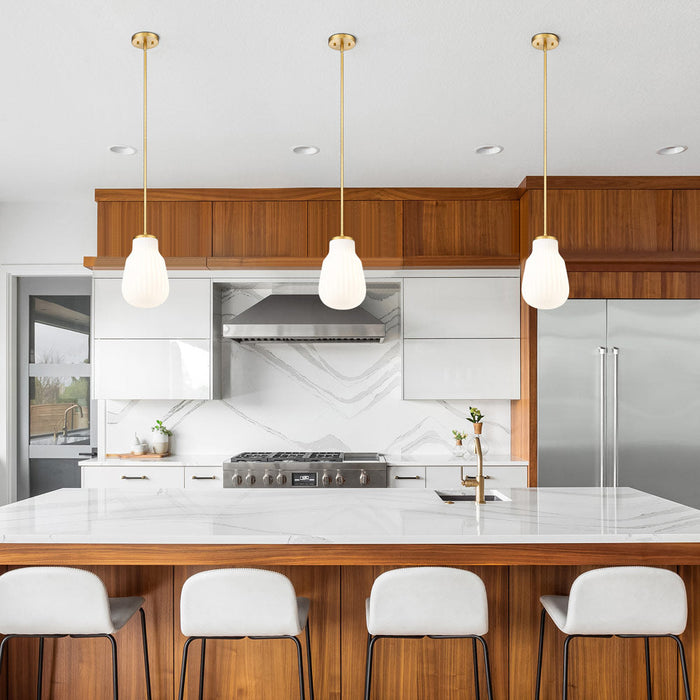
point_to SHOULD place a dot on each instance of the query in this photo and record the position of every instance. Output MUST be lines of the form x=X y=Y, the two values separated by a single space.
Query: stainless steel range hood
x=303 y=318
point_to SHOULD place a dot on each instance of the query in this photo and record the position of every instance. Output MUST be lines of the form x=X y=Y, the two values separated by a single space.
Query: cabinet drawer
x=132 y=476
x=152 y=369
x=204 y=477
x=186 y=313
x=406 y=477
x=499 y=477
x=478 y=307
x=487 y=368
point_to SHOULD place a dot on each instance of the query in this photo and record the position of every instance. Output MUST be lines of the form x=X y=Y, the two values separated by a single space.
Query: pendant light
x=545 y=282
x=342 y=281
x=145 y=280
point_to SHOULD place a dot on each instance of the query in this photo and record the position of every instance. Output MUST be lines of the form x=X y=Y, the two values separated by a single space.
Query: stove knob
x=326 y=479
x=236 y=479
x=339 y=478
x=364 y=478
x=267 y=479
x=281 y=479
x=249 y=479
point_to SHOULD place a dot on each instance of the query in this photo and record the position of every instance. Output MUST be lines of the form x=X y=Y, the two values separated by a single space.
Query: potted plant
x=475 y=417
x=459 y=436
x=161 y=440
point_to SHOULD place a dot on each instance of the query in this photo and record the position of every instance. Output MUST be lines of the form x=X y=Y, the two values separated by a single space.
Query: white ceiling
x=234 y=85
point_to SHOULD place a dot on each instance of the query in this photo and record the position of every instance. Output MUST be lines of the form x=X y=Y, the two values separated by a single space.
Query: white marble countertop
x=347 y=516
x=216 y=460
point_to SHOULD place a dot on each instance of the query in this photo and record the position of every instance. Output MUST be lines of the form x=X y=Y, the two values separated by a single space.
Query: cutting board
x=131 y=455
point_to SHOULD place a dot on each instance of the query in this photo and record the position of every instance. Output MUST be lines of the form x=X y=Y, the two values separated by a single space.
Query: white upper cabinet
x=453 y=307
x=186 y=313
x=461 y=338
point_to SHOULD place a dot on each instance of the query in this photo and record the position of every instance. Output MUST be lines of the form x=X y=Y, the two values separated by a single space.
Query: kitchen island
x=332 y=544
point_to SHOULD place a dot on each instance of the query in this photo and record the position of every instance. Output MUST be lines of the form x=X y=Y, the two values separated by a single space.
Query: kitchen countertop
x=216 y=460
x=348 y=516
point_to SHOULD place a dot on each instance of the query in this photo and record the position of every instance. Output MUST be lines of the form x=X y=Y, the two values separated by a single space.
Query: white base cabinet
x=405 y=477
x=129 y=476
x=448 y=477
x=204 y=478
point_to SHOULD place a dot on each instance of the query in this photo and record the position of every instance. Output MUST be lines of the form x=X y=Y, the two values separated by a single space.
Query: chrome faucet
x=478 y=480
x=65 y=418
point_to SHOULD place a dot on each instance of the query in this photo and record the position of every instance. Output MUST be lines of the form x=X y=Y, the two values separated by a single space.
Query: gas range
x=305 y=470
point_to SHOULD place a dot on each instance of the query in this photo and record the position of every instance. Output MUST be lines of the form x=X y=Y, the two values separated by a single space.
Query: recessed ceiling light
x=306 y=150
x=490 y=150
x=122 y=150
x=671 y=150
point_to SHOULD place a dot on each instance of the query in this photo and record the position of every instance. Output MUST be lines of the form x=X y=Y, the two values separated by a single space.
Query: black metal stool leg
x=40 y=671
x=368 y=675
x=489 y=690
x=115 y=682
x=183 y=670
x=684 y=668
x=202 y=654
x=477 y=690
x=648 y=665
x=300 y=664
x=565 y=683
x=145 y=654
x=308 y=661
x=539 y=655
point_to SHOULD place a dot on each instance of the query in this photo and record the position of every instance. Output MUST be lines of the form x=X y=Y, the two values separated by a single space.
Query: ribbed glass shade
x=545 y=282
x=145 y=281
x=342 y=281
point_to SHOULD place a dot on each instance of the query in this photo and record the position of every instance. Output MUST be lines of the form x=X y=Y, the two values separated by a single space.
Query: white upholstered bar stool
x=57 y=601
x=620 y=601
x=239 y=603
x=431 y=601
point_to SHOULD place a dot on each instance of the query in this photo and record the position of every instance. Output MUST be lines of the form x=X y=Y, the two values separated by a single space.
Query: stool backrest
x=428 y=600
x=53 y=600
x=238 y=603
x=627 y=600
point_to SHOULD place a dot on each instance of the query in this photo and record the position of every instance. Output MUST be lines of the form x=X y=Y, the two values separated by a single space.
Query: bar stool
x=239 y=603
x=432 y=601
x=620 y=601
x=57 y=601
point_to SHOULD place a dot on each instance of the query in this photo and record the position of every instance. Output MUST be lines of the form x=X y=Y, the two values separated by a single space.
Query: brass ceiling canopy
x=545 y=40
x=342 y=42
x=149 y=40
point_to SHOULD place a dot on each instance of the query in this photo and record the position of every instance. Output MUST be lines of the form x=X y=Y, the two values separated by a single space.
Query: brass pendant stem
x=544 y=142
x=145 y=140
x=342 y=141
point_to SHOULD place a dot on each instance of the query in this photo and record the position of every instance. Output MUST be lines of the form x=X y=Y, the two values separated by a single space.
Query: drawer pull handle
x=134 y=477
x=486 y=476
x=202 y=478
x=396 y=476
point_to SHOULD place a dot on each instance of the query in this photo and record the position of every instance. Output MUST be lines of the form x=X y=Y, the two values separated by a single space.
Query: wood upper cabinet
x=259 y=229
x=376 y=227
x=183 y=229
x=686 y=221
x=461 y=228
x=601 y=223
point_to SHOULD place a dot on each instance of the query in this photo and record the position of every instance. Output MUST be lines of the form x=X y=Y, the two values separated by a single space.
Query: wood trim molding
x=109 y=263
x=305 y=194
x=611 y=182
x=627 y=553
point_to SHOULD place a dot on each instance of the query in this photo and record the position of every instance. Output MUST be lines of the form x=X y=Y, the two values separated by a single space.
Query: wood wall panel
x=461 y=228
x=421 y=668
x=82 y=668
x=183 y=229
x=267 y=669
x=259 y=229
x=599 y=668
x=376 y=227
x=603 y=222
x=634 y=285
x=686 y=221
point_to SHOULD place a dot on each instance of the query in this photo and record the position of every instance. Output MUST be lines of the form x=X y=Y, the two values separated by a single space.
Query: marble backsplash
x=309 y=396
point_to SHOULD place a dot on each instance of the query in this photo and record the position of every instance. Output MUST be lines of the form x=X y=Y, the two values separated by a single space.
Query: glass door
x=56 y=430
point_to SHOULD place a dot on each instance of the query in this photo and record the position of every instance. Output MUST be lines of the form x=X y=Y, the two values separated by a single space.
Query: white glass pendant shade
x=145 y=281
x=545 y=282
x=342 y=282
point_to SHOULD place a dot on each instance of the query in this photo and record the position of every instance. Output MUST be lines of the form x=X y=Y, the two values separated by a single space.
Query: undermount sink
x=448 y=497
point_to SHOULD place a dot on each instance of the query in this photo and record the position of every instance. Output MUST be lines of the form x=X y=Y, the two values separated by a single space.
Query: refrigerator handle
x=616 y=355
x=601 y=437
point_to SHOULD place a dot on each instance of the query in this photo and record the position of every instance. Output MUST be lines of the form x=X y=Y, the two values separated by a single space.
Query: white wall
x=36 y=238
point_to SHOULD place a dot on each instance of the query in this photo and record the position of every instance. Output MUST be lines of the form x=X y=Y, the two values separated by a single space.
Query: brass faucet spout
x=478 y=481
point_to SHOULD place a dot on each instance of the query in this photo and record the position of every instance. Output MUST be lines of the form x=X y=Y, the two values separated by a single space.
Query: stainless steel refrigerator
x=619 y=396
